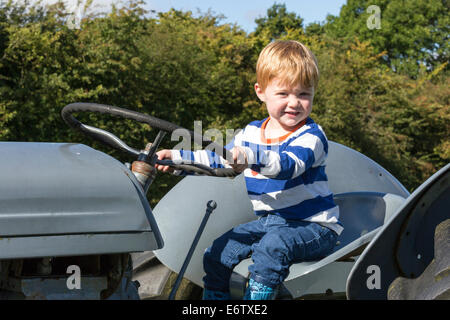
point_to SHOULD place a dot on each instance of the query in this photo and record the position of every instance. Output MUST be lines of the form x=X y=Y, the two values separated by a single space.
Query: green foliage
x=277 y=22
x=386 y=116
x=183 y=68
x=414 y=34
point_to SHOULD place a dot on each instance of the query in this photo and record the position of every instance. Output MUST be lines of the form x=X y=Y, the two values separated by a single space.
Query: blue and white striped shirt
x=286 y=176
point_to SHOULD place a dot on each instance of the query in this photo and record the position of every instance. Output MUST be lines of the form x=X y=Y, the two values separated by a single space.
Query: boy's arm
x=302 y=153
x=205 y=157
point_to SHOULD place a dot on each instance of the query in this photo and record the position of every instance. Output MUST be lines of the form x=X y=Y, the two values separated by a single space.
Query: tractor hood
x=63 y=188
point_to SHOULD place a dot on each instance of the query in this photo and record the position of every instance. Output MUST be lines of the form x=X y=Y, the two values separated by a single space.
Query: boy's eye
x=302 y=94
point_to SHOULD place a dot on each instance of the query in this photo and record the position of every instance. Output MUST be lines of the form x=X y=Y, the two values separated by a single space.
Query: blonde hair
x=290 y=61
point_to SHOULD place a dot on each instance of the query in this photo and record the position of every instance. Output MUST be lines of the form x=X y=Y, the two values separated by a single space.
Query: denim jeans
x=273 y=242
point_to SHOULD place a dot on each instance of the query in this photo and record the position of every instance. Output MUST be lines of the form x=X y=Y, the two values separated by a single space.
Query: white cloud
x=97 y=5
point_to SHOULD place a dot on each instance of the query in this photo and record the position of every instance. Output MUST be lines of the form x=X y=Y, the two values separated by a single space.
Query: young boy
x=283 y=159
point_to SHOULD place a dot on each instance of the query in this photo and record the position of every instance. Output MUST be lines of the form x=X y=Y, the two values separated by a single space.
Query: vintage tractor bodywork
x=74 y=220
x=68 y=204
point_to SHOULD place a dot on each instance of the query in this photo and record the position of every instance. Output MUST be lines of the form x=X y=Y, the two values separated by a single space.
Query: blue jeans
x=274 y=244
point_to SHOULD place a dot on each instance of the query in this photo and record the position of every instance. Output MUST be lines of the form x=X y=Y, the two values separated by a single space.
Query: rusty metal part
x=44 y=266
x=142 y=168
x=117 y=264
x=144 y=172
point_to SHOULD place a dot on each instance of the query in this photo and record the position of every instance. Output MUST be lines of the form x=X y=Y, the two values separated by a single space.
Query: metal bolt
x=212 y=204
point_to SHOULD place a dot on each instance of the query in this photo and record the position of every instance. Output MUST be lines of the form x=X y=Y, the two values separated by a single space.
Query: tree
x=175 y=67
x=277 y=22
x=401 y=123
x=183 y=68
x=414 y=34
x=314 y=28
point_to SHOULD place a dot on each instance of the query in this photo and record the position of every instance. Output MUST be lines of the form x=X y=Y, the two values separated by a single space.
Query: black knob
x=212 y=205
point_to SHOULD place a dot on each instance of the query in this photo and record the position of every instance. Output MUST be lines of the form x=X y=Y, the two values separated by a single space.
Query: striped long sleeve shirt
x=286 y=176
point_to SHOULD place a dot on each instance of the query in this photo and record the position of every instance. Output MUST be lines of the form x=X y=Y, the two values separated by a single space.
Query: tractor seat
x=362 y=214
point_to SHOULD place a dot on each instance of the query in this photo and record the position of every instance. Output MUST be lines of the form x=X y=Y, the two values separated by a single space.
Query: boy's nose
x=293 y=101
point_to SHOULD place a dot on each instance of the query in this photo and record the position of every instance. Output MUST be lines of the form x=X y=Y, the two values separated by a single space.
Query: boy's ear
x=260 y=92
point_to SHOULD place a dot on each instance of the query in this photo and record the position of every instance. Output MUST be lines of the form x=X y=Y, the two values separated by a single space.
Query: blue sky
x=244 y=12
x=241 y=12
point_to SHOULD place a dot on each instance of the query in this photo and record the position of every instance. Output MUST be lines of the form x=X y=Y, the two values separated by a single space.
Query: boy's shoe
x=215 y=295
x=258 y=291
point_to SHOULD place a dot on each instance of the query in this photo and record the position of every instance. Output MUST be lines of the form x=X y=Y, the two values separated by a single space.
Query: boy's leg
x=283 y=245
x=225 y=253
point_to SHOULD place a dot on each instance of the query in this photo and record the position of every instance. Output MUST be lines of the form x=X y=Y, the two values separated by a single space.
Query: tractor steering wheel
x=164 y=126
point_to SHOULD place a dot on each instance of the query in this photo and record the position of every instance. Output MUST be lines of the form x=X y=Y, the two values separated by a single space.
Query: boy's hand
x=240 y=162
x=162 y=155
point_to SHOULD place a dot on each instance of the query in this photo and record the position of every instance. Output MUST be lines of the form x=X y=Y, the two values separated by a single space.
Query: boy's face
x=287 y=106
